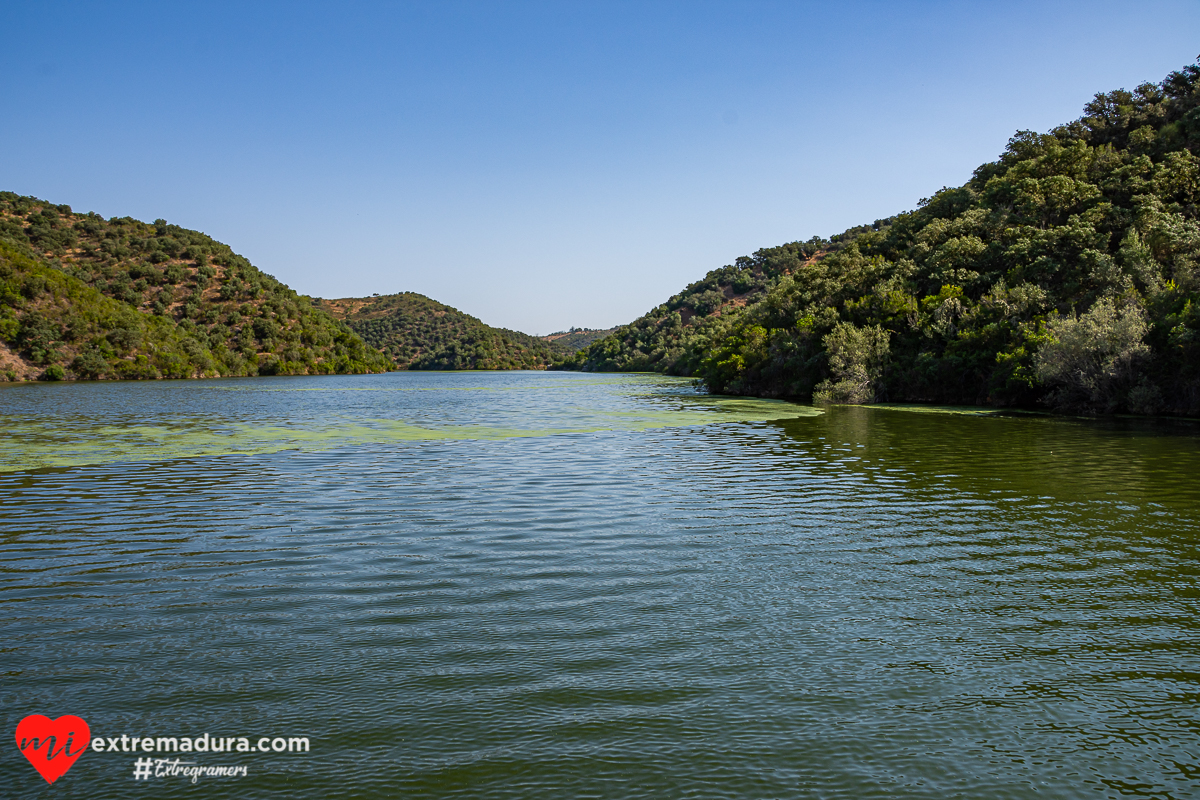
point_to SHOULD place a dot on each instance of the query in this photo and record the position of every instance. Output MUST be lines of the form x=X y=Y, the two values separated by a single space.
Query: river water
x=548 y=585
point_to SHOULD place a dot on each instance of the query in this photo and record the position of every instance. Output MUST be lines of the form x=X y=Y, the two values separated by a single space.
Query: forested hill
x=675 y=337
x=86 y=297
x=578 y=338
x=1065 y=273
x=415 y=332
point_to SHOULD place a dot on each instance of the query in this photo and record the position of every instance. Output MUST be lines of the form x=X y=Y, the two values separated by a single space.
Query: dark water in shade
x=571 y=586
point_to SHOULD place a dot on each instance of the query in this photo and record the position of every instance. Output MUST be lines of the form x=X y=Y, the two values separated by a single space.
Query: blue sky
x=540 y=165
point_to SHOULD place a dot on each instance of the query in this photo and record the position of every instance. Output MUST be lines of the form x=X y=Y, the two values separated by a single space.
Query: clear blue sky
x=541 y=165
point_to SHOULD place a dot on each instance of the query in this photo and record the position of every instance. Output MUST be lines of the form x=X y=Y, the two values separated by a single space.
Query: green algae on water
x=163 y=434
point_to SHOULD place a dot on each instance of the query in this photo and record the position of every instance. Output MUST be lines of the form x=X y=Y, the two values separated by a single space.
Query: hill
x=415 y=332
x=1065 y=274
x=86 y=297
x=674 y=337
x=578 y=338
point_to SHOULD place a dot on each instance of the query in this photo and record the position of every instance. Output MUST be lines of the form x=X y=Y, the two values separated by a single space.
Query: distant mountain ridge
x=415 y=332
x=578 y=338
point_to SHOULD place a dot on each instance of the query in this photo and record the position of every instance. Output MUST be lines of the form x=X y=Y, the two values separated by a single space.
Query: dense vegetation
x=1065 y=273
x=415 y=332
x=675 y=337
x=86 y=297
x=578 y=338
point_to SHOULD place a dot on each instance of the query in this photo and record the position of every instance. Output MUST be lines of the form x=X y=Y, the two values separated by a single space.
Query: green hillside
x=415 y=332
x=675 y=337
x=86 y=297
x=1066 y=273
x=577 y=338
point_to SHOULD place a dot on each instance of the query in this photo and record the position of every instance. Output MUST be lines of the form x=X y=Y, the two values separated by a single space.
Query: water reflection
x=865 y=603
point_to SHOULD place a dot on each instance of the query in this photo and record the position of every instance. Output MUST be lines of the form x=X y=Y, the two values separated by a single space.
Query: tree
x=857 y=359
x=1092 y=361
x=89 y=365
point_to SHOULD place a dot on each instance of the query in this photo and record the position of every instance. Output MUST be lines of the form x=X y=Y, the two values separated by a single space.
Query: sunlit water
x=541 y=585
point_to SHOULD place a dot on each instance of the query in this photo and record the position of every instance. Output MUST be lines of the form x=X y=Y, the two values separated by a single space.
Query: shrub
x=1145 y=398
x=89 y=365
x=9 y=324
x=36 y=334
x=708 y=302
x=124 y=339
x=1092 y=361
x=33 y=286
x=138 y=369
x=857 y=359
x=265 y=329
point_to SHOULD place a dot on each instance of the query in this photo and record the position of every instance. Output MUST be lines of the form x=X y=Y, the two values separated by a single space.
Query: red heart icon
x=52 y=745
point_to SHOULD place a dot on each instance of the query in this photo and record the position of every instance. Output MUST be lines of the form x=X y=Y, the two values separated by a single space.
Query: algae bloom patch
x=159 y=422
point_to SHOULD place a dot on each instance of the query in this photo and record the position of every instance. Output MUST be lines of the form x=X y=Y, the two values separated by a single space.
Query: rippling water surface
x=528 y=585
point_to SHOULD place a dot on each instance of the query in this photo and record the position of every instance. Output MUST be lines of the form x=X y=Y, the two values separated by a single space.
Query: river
x=558 y=585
